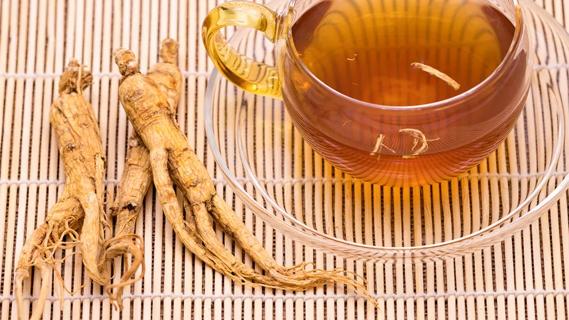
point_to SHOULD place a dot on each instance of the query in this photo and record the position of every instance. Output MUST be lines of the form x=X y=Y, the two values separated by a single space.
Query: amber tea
x=406 y=54
x=370 y=49
x=392 y=92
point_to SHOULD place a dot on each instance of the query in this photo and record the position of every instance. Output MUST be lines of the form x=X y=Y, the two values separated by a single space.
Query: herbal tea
x=390 y=91
x=370 y=49
x=402 y=55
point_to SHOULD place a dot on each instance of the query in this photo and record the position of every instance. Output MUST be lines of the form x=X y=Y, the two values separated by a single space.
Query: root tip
x=75 y=78
x=126 y=61
x=169 y=51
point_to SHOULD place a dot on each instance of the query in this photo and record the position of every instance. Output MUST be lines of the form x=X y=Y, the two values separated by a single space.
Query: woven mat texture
x=525 y=277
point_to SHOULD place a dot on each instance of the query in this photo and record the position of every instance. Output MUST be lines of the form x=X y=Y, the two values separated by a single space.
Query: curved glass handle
x=246 y=73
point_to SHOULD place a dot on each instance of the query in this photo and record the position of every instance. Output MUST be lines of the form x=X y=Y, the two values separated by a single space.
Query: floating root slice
x=438 y=74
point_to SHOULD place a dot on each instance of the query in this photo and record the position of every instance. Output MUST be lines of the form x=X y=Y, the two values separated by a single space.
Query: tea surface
x=366 y=48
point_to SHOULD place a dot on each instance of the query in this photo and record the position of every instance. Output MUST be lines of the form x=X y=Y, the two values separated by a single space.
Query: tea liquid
x=366 y=48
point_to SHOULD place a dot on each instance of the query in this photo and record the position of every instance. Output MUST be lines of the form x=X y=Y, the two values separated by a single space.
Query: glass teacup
x=391 y=93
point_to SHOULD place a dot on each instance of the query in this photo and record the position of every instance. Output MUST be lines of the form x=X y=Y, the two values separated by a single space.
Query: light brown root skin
x=134 y=185
x=137 y=179
x=46 y=279
x=173 y=162
x=134 y=246
x=74 y=122
x=82 y=153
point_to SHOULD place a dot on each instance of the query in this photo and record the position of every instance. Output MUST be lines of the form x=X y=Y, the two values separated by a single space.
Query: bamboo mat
x=527 y=276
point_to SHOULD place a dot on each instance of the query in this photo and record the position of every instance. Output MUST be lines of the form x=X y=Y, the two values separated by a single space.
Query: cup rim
x=449 y=102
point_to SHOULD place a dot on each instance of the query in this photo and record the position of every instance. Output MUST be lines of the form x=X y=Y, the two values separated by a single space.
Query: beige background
x=38 y=37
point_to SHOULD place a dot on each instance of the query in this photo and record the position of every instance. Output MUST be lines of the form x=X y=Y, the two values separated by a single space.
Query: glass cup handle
x=243 y=71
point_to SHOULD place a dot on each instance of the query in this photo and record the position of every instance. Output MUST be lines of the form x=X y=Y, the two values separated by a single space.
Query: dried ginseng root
x=138 y=174
x=174 y=162
x=137 y=179
x=78 y=214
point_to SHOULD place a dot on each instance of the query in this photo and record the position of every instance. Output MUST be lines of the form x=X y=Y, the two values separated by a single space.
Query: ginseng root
x=174 y=162
x=135 y=183
x=78 y=215
x=137 y=179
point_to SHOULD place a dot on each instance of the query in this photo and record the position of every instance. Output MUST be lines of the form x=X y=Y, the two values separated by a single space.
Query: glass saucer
x=285 y=183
